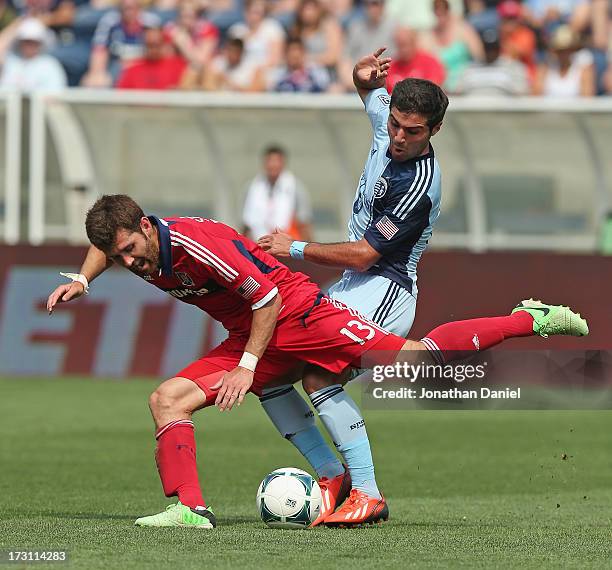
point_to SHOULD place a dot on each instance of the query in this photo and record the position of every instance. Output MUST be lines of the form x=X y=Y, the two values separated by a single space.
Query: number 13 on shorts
x=357 y=331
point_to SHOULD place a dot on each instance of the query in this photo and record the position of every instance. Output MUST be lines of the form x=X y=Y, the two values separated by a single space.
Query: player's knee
x=316 y=378
x=313 y=383
x=161 y=401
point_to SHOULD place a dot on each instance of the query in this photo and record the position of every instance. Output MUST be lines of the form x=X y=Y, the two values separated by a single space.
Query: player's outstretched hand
x=233 y=387
x=277 y=244
x=64 y=293
x=371 y=71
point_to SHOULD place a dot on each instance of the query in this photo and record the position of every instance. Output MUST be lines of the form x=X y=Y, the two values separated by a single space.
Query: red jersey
x=422 y=66
x=210 y=265
x=163 y=73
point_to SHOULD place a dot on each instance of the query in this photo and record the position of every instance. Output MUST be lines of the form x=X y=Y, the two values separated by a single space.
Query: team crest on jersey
x=184 y=278
x=380 y=188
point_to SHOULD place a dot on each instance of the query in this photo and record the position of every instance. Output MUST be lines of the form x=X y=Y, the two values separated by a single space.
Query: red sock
x=459 y=339
x=176 y=462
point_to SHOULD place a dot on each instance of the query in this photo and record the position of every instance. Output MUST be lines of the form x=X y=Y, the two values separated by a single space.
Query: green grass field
x=465 y=489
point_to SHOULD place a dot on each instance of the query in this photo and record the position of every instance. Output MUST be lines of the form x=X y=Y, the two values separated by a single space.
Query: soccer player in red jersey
x=276 y=319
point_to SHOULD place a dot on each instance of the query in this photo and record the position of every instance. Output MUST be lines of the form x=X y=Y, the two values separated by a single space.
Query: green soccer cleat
x=180 y=515
x=553 y=319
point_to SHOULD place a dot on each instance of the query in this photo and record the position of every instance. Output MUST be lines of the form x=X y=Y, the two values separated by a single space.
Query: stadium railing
x=517 y=173
x=10 y=165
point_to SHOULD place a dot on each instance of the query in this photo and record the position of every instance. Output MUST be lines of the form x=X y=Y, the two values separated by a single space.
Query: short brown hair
x=421 y=97
x=109 y=214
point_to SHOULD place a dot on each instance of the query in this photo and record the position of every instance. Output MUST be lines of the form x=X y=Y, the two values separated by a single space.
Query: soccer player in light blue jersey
x=396 y=205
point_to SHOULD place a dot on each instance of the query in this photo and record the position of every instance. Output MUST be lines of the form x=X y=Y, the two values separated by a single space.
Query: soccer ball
x=288 y=498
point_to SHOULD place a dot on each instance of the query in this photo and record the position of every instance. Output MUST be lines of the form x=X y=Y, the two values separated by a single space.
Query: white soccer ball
x=288 y=498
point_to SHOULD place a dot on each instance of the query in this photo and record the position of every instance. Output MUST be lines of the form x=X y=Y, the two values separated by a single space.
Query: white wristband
x=248 y=361
x=78 y=277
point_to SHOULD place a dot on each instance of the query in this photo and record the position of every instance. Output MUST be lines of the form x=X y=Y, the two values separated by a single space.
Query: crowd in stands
x=553 y=48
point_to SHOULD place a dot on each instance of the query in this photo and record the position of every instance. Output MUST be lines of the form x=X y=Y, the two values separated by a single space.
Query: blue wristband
x=297 y=249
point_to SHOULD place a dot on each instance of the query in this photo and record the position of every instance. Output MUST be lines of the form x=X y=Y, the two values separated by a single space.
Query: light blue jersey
x=395 y=207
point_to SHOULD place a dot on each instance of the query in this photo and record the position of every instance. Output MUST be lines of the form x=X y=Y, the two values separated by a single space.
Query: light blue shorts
x=377 y=298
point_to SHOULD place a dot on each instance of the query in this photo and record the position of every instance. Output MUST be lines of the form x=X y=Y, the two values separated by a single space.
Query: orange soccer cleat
x=333 y=492
x=359 y=509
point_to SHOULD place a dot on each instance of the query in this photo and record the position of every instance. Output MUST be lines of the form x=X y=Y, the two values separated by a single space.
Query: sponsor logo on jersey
x=184 y=278
x=182 y=293
x=386 y=227
x=357 y=425
x=380 y=188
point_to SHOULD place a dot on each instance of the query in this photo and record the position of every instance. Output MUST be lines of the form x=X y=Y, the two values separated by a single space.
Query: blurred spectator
x=229 y=71
x=453 y=41
x=276 y=199
x=417 y=14
x=263 y=37
x=223 y=13
x=497 y=75
x=341 y=10
x=155 y=69
x=482 y=15
x=601 y=11
x=191 y=35
x=365 y=35
x=517 y=40
x=547 y=15
x=298 y=76
x=28 y=67
x=284 y=11
x=601 y=40
x=409 y=61
x=7 y=14
x=568 y=70
x=70 y=47
x=118 y=40
x=321 y=35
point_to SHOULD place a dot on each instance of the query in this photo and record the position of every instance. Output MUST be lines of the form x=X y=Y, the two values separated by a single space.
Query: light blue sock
x=342 y=418
x=358 y=457
x=315 y=449
x=295 y=421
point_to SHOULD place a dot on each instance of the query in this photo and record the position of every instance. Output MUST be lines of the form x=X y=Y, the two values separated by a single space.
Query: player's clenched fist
x=64 y=293
x=278 y=244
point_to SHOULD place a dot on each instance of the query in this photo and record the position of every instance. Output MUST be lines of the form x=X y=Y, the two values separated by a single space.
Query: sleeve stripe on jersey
x=406 y=196
x=199 y=247
x=425 y=181
x=204 y=255
x=414 y=194
x=199 y=257
x=428 y=168
x=269 y=296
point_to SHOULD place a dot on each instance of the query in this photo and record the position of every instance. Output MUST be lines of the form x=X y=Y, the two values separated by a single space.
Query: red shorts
x=330 y=335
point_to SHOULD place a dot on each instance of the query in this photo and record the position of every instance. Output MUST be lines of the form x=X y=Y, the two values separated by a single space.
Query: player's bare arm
x=95 y=264
x=235 y=384
x=356 y=255
x=370 y=72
